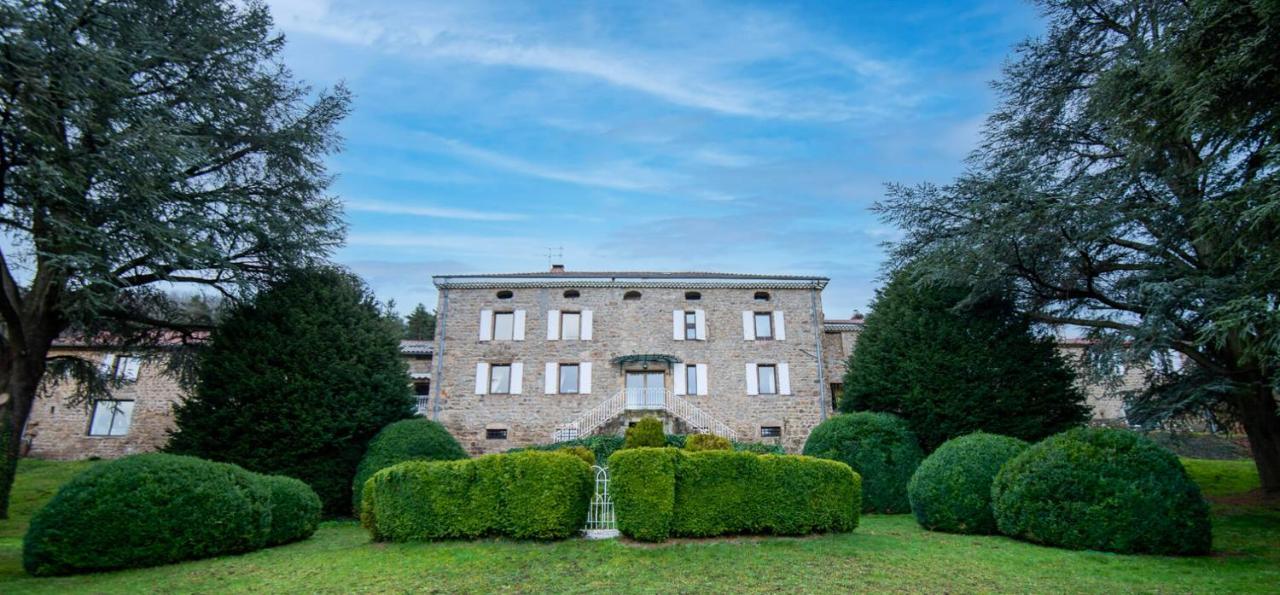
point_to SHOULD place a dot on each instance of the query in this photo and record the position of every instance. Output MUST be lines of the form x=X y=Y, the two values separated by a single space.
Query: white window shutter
x=549 y=385
x=553 y=325
x=482 y=378
x=702 y=379
x=784 y=379
x=486 y=326
x=779 y=326
x=748 y=326
x=701 y=318
x=677 y=325
x=517 y=332
x=753 y=381
x=129 y=368
x=680 y=380
x=585 y=332
x=584 y=378
x=517 y=377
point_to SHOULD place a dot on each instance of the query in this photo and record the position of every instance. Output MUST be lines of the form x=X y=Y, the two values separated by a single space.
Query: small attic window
x=692 y=295
x=571 y=293
x=762 y=296
x=504 y=294
x=631 y=295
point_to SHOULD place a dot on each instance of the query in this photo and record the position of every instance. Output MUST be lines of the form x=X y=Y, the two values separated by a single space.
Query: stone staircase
x=610 y=409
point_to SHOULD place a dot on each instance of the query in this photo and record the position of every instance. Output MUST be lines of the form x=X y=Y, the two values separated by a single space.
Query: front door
x=646 y=390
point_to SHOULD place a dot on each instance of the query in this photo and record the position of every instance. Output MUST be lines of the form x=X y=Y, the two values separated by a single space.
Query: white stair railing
x=591 y=420
x=701 y=421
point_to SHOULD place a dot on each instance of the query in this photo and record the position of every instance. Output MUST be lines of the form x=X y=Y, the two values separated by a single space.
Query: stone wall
x=624 y=327
x=1103 y=397
x=60 y=430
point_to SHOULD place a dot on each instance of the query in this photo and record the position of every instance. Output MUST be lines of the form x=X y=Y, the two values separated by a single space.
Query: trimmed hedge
x=525 y=495
x=646 y=432
x=581 y=452
x=879 y=447
x=295 y=509
x=417 y=439
x=660 y=492
x=698 y=442
x=1102 y=489
x=951 y=490
x=152 y=509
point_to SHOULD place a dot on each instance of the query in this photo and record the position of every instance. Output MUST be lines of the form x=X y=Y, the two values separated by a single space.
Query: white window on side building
x=111 y=418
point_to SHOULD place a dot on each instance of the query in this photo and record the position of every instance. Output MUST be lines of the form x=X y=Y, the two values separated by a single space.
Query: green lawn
x=885 y=553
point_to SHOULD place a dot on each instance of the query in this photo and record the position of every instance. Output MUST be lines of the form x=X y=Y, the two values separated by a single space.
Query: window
x=571 y=293
x=121 y=367
x=692 y=295
x=505 y=295
x=770 y=431
x=768 y=379
x=762 y=296
x=500 y=379
x=631 y=295
x=691 y=379
x=568 y=379
x=110 y=418
x=764 y=325
x=690 y=325
x=495 y=434
x=570 y=326
x=422 y=388
x=504 y=324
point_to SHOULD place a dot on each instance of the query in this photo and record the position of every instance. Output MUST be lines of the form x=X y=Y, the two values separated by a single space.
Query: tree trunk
x=1261 y=421
x=19 y=386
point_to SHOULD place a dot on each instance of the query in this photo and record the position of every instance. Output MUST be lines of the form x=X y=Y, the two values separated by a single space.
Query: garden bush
x=406 y=440
x=951 y=490
x=1102 y=489
x=698 y=442
x=605 y=445
x=879 y=447
x=646 y=433
x=524 y=495
x=152 y=509
x=642 y=483
x=295 y=509
x=581 y=452
x=663 y=492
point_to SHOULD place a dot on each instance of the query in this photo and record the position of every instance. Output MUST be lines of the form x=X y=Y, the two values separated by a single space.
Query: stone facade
x=625 y=327
x=1105 y=399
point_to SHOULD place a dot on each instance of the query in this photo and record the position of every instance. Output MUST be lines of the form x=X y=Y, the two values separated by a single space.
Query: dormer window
x=762 y=296
x=571 y=293
x=631 y=295
x=505 y=294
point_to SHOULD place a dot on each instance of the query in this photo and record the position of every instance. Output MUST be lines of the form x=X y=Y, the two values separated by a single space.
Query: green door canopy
x=645 y=358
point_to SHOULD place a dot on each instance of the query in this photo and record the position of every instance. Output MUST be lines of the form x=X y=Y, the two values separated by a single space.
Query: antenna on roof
x=555 y=255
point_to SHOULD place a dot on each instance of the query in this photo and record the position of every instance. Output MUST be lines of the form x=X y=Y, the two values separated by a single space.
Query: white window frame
x=577 y=379
x=565 y=318
x=498 y=335
x=492 y=369
x=755 y=325
x=115 y=410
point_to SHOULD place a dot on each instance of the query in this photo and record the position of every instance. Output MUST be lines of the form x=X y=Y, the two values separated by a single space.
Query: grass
x=886 y=553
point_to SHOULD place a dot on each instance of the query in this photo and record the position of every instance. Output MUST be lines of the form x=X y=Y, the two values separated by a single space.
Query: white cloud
x=419 y=210
x=621 y=175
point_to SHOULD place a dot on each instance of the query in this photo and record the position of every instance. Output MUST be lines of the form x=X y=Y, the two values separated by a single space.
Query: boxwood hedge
x=605 y=445
x=879 y=447
x=525 y=495
x=1102 y=489
x=697 y=442
x=951 y=489
x=417 y=439
x=151 y=509
x=659 y=492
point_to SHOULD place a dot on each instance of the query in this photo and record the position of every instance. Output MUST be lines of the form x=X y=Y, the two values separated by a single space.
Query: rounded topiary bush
x=146 y=510
x=879 y=447
x=408 y=440
x=698 y=442
x=295 y=509
x=1102 y=489
x=647 y=433
x=951 y=489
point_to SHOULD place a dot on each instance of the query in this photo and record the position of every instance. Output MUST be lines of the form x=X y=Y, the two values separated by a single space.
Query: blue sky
x=734 y=137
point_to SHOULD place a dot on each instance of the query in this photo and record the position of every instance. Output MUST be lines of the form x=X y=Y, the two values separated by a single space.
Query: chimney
x=557 y=269
x=857 y=316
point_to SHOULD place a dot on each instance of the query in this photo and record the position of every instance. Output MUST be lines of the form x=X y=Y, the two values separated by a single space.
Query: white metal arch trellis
x=601 y=522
